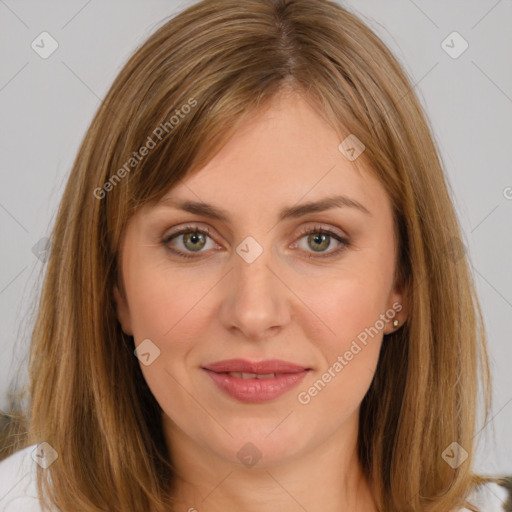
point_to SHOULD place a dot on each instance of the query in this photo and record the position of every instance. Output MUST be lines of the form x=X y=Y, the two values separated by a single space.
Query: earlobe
x=396 y=312
x=123 y=313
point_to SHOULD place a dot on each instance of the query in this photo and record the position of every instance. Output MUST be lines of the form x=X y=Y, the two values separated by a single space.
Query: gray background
x=47 y=105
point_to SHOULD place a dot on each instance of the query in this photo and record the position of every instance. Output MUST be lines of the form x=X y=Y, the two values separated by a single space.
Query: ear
x=397 y=309
x=123 y=312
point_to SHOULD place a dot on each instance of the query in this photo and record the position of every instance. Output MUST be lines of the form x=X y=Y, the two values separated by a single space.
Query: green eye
x=319 y=239
x=195 y=239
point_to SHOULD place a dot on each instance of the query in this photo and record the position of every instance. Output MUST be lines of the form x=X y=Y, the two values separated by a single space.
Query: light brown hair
x=227 y=59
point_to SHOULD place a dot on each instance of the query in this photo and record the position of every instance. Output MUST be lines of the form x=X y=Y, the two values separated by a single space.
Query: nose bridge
x=257 y=298
x=253 y=279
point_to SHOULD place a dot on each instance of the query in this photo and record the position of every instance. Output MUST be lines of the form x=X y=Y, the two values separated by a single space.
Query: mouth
x=243 y=375
x=255 y=382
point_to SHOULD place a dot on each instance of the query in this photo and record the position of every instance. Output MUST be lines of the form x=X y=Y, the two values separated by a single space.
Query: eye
x=320 y=239
x=193 y=239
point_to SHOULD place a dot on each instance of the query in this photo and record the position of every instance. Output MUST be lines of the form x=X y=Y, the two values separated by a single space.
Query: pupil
x=319 y=238
x=194 y=238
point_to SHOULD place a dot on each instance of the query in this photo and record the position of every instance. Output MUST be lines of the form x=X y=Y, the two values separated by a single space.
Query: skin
x=290 y=303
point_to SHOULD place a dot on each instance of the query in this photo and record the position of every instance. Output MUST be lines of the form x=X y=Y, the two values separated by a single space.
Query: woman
x=257 y=297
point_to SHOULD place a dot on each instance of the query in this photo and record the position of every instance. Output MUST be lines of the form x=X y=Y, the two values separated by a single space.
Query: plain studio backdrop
x=458 y=55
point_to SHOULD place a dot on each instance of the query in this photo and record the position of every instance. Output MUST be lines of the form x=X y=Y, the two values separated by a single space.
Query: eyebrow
x=290 y=212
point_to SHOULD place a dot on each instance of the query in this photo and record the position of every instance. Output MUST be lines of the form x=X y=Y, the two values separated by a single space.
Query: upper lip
x=259 y=368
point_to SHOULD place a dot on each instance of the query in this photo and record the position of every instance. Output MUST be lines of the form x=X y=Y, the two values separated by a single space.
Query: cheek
x=349 y=349
x=170 y=315
x=162 y=302
x=348 y=303
x=170 y=310
x=350 y=308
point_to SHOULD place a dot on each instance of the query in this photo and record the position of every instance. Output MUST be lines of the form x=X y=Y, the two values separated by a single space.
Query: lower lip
x=256 y=390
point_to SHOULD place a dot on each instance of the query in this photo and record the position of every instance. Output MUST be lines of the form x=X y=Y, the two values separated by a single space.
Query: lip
x=255 y=390
x=261 y=367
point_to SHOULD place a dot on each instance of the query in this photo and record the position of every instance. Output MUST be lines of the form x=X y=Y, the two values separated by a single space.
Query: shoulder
x=490 y=497
x=18 y=489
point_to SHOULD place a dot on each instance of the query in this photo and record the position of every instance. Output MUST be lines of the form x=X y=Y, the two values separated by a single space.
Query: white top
x=18 y=489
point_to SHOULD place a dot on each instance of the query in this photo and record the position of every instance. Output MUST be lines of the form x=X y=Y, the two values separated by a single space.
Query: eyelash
x=307 y=231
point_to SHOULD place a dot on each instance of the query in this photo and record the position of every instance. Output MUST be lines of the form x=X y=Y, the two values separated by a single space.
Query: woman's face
x=259 y=288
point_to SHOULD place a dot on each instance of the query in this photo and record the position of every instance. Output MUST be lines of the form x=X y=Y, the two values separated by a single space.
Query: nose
x=256 y=301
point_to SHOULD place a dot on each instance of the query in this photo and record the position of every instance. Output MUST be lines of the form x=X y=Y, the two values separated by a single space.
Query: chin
x=260 y=447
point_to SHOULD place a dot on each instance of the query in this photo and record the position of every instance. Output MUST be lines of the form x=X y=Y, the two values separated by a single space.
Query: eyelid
x=316 y=227
x=198 y=226
x=188 y=227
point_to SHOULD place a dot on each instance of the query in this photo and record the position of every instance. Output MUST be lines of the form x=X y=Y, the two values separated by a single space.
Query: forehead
x=284 y=156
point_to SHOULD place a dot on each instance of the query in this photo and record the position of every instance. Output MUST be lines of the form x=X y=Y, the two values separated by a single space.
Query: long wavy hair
x=182 y=95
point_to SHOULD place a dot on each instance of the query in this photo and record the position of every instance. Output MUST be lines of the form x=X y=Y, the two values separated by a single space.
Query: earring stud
x=395 y=323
